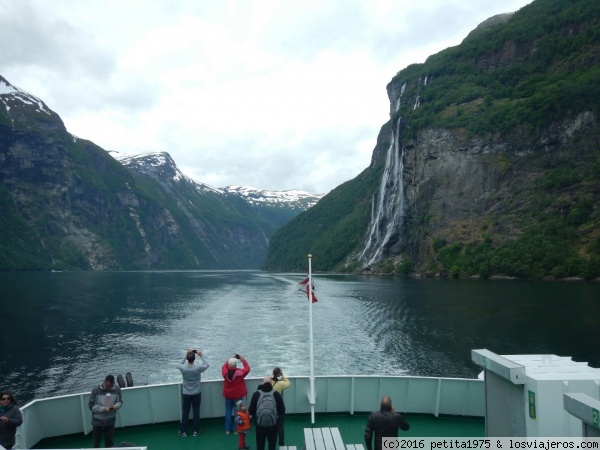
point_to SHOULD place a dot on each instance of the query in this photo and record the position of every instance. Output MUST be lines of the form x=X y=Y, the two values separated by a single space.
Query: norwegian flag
x=312 y=290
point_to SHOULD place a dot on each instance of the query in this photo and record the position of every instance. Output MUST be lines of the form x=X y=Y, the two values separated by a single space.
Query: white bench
x=285 y=447
x=355 y=447
x=323 y=439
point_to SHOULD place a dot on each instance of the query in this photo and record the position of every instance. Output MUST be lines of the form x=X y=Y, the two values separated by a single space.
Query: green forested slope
x=331 y=229
x=517 y=76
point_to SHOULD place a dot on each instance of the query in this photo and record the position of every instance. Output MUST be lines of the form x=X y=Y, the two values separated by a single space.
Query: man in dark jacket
x=104 y=402
x=266 y=433
x=384 y=423
x=10 y=419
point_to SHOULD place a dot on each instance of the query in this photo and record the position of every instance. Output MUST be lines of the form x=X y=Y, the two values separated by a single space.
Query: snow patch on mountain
x=253 y=195
x=163 y=163
x=10 y=92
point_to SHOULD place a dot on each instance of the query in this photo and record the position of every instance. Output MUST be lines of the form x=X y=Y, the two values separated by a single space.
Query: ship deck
x=164 y=436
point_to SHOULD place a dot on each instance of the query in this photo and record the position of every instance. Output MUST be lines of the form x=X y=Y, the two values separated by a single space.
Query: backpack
x=266 y=409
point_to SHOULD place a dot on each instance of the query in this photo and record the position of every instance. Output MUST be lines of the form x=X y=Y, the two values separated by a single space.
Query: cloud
x=305 y=161
x=275 y=95
x=36 y=40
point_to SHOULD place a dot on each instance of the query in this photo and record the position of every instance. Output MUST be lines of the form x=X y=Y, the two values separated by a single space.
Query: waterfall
x=399 y=97
x=387 y=206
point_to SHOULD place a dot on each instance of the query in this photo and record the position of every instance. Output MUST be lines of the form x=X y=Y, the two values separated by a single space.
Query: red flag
x=305 y=282
x=312 y=291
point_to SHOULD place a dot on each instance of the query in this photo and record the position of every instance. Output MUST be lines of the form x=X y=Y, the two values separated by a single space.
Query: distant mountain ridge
x=292 y=197
x=162 y=161
x=277 y=207
x=67 y=204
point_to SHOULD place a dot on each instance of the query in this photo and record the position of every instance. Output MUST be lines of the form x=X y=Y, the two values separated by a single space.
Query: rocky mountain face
x=277 y=207
x=67 y=204
x=489 y=165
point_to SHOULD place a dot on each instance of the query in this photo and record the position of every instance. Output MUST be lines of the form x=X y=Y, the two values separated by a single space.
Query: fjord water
x=63 y=332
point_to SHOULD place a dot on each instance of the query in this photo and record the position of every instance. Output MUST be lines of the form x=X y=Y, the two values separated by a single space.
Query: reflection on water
x=63 y=332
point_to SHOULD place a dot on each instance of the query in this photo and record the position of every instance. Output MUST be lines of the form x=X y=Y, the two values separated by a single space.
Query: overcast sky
x=273 y=94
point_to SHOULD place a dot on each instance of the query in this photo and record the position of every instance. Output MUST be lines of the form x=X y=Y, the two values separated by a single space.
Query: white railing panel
x=397 y=389
x=476 y=399
x=290 y=397
x=213 y=404
x=301 y=395
x=321 y=395
x=462 y=397
x=452 y=396
x=366 y=394
x=337 y=394
x=338 y=398
x=142 y=405
x=422 y=395
x=40 y=418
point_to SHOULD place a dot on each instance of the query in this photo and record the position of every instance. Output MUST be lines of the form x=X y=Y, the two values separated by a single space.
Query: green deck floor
x=213 y=437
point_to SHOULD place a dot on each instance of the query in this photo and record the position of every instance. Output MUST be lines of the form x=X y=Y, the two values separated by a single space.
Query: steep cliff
x=67 y=204
x=490 y=162
x=59 y=190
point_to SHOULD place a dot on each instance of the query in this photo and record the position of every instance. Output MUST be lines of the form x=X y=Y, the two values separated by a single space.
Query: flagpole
x=310 y=340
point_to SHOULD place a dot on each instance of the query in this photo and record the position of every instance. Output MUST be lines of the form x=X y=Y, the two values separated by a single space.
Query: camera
x=237 y=356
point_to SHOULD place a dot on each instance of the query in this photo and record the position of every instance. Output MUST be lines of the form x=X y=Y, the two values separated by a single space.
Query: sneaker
x=196 y=433
x=227 y=432
x=235 y=432
x=182 y=434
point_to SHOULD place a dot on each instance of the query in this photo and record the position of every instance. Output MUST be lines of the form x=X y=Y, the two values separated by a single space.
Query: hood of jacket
x=233 y=374
x=265 y=387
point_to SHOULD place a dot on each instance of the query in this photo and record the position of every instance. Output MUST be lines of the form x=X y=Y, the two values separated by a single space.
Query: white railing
x=334 y=394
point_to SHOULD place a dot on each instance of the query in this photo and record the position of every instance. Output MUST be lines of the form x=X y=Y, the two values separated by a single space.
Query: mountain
x=488 y=166
x=68 y=204
x=276 y=207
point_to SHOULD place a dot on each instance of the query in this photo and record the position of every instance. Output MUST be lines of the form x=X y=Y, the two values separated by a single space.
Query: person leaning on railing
x=280 y=382
x=191 y=389
x=384 y=423
x=234 y=386
x=104 y=402
x=10 y=419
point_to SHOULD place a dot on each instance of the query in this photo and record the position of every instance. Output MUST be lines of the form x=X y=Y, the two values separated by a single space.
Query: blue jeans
x=193 y=402
x=229 y=408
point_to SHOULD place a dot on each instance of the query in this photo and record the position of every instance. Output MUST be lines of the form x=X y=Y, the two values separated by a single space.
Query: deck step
x=285 y=447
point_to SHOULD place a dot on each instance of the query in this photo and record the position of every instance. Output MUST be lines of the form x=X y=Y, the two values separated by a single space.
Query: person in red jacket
x=234 y=386
x=242 y=421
